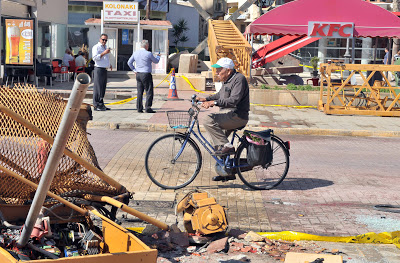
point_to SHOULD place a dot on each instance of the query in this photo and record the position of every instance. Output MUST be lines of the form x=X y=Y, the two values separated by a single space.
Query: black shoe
x=107 y=108
x=140 y=111
x=100 y=108
x=150 y=111
x=223 y=178
x=225 y=151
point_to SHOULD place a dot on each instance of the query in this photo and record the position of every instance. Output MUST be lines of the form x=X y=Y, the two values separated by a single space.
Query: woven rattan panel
x=25 y=153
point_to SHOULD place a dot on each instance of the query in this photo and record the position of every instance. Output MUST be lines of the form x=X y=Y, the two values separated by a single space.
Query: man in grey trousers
x=144 y=79
x=101 y=58
x=233 y=100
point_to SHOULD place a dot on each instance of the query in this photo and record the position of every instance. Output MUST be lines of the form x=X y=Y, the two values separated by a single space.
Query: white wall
x=191 y=16
x=93 y=37
x=55 y=11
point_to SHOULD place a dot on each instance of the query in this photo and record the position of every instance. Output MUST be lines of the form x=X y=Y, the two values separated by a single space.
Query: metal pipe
x=130 y=210
x=70 y=114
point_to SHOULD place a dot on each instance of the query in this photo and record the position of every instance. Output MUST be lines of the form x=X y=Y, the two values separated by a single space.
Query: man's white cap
x=224 y=63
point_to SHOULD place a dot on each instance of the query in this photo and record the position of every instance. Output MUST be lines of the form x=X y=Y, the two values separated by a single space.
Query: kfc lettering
x=330 y=29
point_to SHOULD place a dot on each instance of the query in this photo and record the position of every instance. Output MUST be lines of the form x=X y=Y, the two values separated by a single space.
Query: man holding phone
x=143 y=59
x=101 y=59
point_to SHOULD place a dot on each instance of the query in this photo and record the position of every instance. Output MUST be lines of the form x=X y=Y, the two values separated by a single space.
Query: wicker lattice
x=25 y=153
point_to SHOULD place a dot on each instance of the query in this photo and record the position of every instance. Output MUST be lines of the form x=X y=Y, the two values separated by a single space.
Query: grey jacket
x=234 y=94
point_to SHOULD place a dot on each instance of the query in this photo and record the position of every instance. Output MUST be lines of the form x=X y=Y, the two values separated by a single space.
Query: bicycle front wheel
x=166 y=167
x=267 y=176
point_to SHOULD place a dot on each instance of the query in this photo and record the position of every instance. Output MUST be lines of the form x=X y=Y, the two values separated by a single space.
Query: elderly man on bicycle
x=233 y=100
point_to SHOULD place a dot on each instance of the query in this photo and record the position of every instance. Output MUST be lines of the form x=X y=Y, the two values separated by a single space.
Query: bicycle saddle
x=263 y=134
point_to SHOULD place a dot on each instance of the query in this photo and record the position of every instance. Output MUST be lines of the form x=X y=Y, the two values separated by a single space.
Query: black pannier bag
x=258 y=152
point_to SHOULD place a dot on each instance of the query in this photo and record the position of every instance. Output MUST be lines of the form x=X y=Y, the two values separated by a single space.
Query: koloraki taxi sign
x=120 y=11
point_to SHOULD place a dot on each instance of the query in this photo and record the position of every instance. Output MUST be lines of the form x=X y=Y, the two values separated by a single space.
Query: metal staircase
x=225 y=40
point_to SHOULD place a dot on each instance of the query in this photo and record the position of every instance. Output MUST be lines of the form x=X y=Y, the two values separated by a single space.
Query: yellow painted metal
x=225 y=40
x=365 y=99
x=202 y=214
x=130 y=210
x=119 y=246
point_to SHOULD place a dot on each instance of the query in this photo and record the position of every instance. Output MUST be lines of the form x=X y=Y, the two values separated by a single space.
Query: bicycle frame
x=224 y=162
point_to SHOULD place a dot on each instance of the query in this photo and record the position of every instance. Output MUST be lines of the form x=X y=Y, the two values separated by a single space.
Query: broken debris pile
x=182 y=247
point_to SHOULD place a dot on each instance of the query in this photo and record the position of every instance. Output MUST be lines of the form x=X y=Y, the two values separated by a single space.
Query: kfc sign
x=330 y=29
x=120 y=11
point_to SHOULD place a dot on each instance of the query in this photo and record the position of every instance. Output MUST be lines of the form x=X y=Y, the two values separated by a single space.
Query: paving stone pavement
x=331 y=188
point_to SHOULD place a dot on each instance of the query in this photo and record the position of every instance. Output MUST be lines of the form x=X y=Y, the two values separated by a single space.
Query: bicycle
x=174 y=160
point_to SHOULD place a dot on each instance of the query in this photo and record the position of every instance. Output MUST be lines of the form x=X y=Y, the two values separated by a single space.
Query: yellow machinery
x=379 y=99
x=202 y=214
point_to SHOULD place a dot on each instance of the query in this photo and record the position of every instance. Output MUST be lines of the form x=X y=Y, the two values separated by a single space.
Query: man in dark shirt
x=233 y=100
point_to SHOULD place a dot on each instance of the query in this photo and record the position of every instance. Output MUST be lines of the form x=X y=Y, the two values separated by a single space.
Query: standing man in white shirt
x=101 y=58
x=144 y=79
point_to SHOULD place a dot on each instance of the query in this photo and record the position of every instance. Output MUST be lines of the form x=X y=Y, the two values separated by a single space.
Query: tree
x=179 y=30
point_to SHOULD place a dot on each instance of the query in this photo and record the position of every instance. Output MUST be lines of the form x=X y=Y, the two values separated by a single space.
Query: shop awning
x=280 y=48
x=292 y=18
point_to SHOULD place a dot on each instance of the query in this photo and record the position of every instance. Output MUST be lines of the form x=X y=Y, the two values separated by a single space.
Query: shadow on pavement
x=303 y=184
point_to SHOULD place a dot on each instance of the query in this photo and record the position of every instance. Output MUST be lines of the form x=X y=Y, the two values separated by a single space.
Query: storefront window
x=77 y=37
x=59 y=41
x=160 y=37
x=44 y=40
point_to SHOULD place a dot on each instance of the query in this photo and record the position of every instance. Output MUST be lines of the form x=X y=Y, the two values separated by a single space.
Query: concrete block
x=198 y=82
x=207 y=74
x=203 y=65
x=188 y=63
x=289 y=70
x=173 y=59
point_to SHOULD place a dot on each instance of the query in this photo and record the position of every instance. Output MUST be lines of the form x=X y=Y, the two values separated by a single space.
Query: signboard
x=161 y=66
x=120 y=11
x=330 y=29
x=125 y=36
x=19 y=41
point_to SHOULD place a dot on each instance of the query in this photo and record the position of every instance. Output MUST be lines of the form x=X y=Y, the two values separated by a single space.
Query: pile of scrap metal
x=51 y=185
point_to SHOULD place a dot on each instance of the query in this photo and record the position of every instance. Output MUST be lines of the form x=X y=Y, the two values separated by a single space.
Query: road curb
x=157 y=127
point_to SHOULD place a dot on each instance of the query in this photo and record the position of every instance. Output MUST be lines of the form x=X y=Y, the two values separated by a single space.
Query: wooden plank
x=294 y=257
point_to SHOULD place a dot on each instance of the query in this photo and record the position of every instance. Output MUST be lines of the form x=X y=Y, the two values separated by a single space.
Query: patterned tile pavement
x=331 y=188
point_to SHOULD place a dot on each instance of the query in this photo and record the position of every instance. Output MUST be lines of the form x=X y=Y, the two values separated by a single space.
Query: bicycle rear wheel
x=264 y=177
x=167 y=171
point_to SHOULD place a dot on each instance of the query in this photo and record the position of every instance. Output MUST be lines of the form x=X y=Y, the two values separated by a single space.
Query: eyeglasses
x=104 y=39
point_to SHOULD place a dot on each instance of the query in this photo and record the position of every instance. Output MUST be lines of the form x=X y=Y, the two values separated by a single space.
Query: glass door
x=113 y=44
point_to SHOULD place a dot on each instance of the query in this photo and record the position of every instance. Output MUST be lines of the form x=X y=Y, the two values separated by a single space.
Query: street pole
x=148 y=9
x=71 y=112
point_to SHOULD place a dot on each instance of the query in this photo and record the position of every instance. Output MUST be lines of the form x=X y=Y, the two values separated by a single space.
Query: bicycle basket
x=179 y=119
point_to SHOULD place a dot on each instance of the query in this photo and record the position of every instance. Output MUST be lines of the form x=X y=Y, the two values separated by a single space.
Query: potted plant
x=314 y=64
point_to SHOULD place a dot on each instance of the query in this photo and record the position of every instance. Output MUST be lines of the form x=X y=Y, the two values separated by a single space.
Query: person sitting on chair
x=233 y=100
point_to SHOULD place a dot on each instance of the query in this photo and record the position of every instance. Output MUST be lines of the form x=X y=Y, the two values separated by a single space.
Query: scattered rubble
x=233 y=246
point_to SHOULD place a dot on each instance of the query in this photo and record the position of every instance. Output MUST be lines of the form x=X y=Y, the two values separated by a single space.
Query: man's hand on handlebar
x=201 y=99
x=207 y=104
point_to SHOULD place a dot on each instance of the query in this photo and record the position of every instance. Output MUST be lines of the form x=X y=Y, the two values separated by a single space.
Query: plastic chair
x=59 y=70
x=79 y=70
x=16 y=73
x=44 y=70
x=71 y=68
